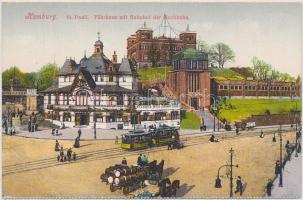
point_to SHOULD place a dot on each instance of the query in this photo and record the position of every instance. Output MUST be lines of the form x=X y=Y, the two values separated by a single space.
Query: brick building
x=256 y=89
x=190 y=78
x=147 y=50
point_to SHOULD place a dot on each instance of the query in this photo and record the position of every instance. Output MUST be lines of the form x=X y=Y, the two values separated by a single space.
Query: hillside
x=239 y=109
x=154 y=73
x=225 y=74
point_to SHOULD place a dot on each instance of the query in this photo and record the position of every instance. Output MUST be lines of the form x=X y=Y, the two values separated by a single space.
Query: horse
x=170 y=190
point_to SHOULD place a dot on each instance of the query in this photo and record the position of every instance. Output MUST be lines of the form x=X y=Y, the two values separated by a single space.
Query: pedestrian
x=57 y=146
x=29 y=126
x=144 y=159
x=139 y=160
x=262 y=134
x=239 y=186
x=201 y=128
x=79 y=133
x=274 y=138
x=57 y=131
x=287 y=144
x=124 y=161
x=69 y=154
x=278 y=168
x=117 y=140
x=58 y=158
x=61 y=154
x=53 y=131
x=237 y=130
x=268 y=187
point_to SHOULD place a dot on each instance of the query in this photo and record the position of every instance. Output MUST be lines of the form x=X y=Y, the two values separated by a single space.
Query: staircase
x=208 y=119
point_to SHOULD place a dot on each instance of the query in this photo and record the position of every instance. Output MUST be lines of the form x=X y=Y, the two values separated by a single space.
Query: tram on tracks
x=141 y=139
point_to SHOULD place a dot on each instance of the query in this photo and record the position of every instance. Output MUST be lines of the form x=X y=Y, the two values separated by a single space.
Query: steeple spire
x=98 y=35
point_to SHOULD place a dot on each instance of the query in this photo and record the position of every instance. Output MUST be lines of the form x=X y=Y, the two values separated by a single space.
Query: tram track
x=116 y=152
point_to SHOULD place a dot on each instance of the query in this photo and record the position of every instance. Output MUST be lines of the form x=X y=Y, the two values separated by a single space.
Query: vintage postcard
x=151 y=100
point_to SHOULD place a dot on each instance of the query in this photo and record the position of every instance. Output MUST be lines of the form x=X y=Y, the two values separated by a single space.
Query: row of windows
x=96 y=77
x=249 y=87
x=190 y=64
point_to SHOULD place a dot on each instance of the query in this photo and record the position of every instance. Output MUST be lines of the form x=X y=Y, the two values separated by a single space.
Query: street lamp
x=281 y=161
x=214 y=108
x=218 y=180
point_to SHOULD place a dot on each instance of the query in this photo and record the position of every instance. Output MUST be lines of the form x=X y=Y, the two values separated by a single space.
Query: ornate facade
x=98 y=92
x=147 y=50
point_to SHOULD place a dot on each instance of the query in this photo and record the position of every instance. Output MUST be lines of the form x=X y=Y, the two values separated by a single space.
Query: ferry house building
x=97 y=89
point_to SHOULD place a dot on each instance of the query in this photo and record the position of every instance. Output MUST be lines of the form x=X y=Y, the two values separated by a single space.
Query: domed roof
x=98 y=43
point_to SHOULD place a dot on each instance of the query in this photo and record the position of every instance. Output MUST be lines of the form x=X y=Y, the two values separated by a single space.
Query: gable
x=83 y=79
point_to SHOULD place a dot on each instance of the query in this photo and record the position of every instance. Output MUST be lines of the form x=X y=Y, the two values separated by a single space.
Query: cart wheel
x=126 y=190
x=112 y=188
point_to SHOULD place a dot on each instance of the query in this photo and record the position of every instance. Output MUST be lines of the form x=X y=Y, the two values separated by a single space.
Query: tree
x=260 y=69
x=12 y=73
x=46 y=75
x=221 y=53
x=203 y=46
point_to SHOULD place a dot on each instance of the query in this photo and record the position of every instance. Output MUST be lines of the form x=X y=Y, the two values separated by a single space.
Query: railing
x=147 y=107
x=13 y=92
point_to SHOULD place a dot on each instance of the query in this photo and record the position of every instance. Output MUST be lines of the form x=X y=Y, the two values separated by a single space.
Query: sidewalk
x=87 y=133
x=292 y=180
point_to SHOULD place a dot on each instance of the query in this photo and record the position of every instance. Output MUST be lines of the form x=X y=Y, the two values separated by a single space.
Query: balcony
x=158 y=107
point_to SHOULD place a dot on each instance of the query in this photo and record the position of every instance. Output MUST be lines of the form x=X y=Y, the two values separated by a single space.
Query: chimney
x=114 y=58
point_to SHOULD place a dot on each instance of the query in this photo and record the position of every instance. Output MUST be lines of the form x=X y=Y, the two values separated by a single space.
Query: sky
x=269 y=31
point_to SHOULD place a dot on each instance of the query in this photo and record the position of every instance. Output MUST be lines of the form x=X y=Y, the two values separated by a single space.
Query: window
x=96 y=78
x=232 y=87
x=57 y=99
x=64 y=78
x=225 y=87
x=124 y=79
x=102 y=79
x=81 y=97
x=240 y=87
x=49 y=98
x=111 y=78
x=69 y=78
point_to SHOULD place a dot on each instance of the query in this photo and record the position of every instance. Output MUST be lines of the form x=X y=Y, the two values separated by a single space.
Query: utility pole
x=231 y=172
x=281 y=161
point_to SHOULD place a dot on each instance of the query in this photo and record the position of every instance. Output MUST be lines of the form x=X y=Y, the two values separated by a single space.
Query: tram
x=141 y=139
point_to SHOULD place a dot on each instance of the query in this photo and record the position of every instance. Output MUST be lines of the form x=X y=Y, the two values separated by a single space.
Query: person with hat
x=124 y=161
x=268 y=187
x=239 y=186
x=57 y=146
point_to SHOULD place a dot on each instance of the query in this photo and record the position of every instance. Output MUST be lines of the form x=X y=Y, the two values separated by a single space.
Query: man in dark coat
x=57 y=146
x=139 y=161
x=268 y=187
x=239 y=186
x=79 y=133
x=69 y=154
x=278 y=168
x=124 y=161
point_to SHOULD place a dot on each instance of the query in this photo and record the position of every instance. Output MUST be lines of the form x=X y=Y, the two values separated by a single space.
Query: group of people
x=142 y=160
x=70 y=155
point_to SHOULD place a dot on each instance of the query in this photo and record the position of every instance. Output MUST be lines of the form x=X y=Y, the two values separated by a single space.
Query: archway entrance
x=195 y=103
x=82 y=119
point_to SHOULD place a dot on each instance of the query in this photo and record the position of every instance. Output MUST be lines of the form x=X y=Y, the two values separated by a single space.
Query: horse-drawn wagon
x=130 y=178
